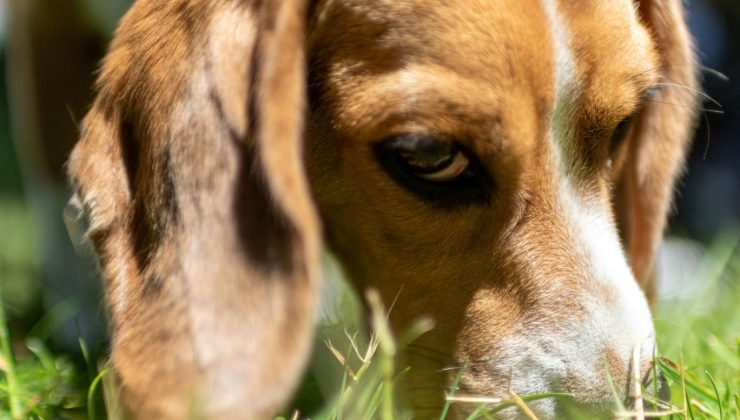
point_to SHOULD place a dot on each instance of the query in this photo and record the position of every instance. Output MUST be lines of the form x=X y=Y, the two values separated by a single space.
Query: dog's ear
x=654 y=155
x=190 y=170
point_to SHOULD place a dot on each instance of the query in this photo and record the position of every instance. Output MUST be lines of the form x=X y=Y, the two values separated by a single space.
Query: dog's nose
x=664 y=389
x=618 y=378
x=657 y=386
x=607 y=362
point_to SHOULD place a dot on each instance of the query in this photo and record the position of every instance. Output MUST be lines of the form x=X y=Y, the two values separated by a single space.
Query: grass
x=38 y=383
x=699 y=342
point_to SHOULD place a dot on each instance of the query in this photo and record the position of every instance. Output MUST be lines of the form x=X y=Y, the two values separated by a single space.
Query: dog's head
x=504 y=167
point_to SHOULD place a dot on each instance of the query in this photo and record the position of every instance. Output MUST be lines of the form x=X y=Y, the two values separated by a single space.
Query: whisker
x=427 y=408
x=711 y=111
x=447 y=369
x=709 y=135
x=393 y=304
x=428 y=387
x=72 y=116
x=436 y=374
x=690 y=89
x=426 y=356
x=718 y=74
x=431 y=350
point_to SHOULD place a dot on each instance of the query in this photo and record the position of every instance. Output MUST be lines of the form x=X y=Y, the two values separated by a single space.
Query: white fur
x=623 y=321
x=564 y=63
x=618 y=316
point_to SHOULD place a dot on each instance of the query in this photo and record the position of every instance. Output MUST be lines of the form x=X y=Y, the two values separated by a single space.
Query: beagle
x=509 y=164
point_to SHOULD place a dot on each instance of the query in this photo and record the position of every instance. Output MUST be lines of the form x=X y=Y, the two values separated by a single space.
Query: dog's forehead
x=493 y=47
x=492 y=40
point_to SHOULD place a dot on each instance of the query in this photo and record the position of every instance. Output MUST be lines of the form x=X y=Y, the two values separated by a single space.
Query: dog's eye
x=619 y=134
x=432 y=160
x=440 y=172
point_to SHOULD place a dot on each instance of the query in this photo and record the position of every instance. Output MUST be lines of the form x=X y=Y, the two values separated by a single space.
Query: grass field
x=699 y=341
x=698 y=338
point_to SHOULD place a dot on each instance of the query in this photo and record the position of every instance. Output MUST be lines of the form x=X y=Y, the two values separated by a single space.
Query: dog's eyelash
x=649 y=92
x=470 y=184
x=620 y=134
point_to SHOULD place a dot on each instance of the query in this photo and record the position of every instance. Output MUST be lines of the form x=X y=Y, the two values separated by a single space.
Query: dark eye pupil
x=425 y=155
x=439 y=172
x=619 y=134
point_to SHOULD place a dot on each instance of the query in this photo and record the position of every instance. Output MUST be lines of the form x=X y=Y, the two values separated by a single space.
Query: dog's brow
x=429 y=113
x=444 y=102
x=643 y=85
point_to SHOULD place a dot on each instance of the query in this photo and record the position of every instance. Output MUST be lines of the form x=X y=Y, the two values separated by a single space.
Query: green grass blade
x=38 y=348
x=375 y=402
x=387 y=346
x=86 y=356
x=654 y=369
x=387 y=404
x=716 y=393
x=91 y=412
x=453 y=389
x=54 y=318
x=543 y=395
x=343 y=389
x=689 y=413
x=527 y=398
x=16 y=410
x=613 y=389
x=676 y=372
x=477 y=412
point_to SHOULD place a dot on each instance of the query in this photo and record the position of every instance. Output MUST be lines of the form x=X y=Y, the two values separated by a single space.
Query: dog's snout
x=616 y=353
x=592 y=351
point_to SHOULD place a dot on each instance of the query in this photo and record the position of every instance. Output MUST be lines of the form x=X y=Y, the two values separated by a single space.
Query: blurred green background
x=49 y=50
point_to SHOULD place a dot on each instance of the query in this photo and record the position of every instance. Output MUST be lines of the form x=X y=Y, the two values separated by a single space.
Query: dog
x=509 y=165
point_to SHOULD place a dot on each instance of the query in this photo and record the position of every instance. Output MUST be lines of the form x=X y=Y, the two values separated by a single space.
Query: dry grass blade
x=387 y=346
x=473 y=399
x=336 y=353
x=342 y=361
x=646 y=414
x=522 y=405
x=701 y=407
x=660 y=404
x=371 y=347
x=636 y=386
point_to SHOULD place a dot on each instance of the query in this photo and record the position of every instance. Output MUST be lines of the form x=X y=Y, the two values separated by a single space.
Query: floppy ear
x=659 y=140
x=190 y=169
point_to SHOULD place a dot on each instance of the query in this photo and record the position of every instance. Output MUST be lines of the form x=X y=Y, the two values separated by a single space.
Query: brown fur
x=208 y=245
x=190 y=167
